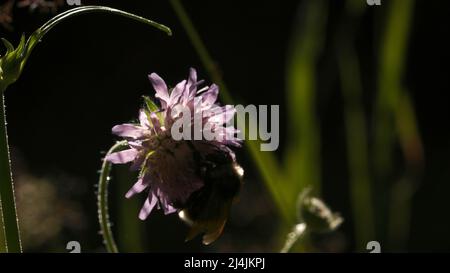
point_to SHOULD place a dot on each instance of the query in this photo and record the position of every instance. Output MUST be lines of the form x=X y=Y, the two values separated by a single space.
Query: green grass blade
x=303 y=156
x=356 y=128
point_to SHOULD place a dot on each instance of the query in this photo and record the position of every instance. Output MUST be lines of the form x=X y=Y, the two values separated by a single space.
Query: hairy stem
x=102 y=201
x=3 y=248
x=8 y=204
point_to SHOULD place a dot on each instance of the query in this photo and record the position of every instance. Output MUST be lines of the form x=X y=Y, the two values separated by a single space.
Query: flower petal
x=138 y=187
x=168 y=209
x=122 y=156
x=128 y=130
x=176 y=93
x=156 y=123
x=191 y=88
x=148 y=206
x=221 y=115
x=192 y=80
x=138 y=161
x=160 y=87
x=210 y=96
x=143 y=120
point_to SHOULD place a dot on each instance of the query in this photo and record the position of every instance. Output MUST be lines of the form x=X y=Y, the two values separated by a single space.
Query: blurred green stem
x=357 y=146
x=303 y=154
x=265 y=161
x=102 y=200
x=396 y=120
x=391 y=95
x=8 y=204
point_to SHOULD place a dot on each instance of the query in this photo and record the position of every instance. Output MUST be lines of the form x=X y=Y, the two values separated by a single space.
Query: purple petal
x=135 y=144
x=222 y=114
x=128 y=130
x=143 y=120
x=156 y=123
x=160 y=87
x=148 y=206
x=210 y=96
x=176 y=93
x=168 y=121
x=138 y=187
x=168 y=209
x=122 y=156
x=137 y=163
x=192 y=79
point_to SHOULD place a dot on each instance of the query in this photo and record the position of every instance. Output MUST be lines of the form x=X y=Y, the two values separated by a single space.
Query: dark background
x=90 y=72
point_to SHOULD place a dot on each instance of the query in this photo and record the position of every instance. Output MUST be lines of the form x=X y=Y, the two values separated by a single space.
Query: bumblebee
x=207 y=209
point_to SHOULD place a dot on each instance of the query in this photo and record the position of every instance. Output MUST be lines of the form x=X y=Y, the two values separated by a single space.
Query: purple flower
x=197 y=178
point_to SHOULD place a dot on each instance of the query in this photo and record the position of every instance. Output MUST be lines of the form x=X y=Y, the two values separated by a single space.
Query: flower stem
x=89 y=9
x=102 y=201
x=3 y=248
x=8 y=205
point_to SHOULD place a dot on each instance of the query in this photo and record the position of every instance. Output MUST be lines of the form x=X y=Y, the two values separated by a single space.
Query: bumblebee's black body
x=207 y=209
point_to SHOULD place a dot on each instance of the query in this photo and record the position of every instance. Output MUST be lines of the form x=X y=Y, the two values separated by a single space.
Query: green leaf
x=151 y=106
x=8 y=45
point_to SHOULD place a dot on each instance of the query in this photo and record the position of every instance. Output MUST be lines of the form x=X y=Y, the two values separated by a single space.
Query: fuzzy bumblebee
x=207 y=209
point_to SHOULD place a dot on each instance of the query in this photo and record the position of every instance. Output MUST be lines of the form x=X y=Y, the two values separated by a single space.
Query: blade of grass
x=395 y=115
x=355 y=122
x=303 y=156
x=391 y=69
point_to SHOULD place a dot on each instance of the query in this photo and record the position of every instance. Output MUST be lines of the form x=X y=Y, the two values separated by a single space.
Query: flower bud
x=11 y=64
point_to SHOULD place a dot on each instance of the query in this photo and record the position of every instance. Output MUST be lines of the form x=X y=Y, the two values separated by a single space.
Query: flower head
x=197 y=178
